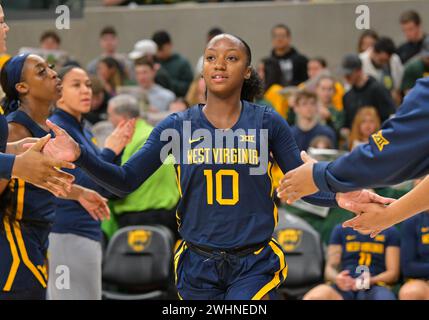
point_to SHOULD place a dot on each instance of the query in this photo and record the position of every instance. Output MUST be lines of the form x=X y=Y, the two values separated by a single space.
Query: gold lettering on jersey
x=425 y=238
x=1 y=110
x=223 y=156
x=425 y=229
x=365 y=247
x=379 y=140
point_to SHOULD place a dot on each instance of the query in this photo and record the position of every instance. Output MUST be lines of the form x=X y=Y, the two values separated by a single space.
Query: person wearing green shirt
x=154 y=202
x=417 y=68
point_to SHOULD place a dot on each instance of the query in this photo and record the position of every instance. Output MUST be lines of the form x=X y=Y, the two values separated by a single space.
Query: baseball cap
x=143 y=48
x=350 y=63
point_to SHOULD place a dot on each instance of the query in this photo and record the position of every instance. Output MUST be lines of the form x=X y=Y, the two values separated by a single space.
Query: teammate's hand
x=121 y=136
x=63 y=147
x=20 y=146
x=42 y=171
x=343 y=281
x=373 y=219
x=353 y=201
x=299 y=182
x=95 y=204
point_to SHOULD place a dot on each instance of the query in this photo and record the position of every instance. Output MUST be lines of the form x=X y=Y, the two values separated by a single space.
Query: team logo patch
x=247 y=138
x=289 y=239
x=379 y=140
x=94 y=141
x=138 y=240
x=350 y=237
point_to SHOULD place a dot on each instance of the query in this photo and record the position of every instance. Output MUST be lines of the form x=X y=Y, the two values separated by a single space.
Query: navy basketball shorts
x=23 y=270
x=229 y=277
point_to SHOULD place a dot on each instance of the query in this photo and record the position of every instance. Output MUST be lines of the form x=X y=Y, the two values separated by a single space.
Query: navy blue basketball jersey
x=224 y=176
x=415 y=246
x=362 y=250
x=25 y=201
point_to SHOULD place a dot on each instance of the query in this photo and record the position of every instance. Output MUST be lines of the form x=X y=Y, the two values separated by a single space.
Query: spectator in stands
x=416 y=69
x=316 y=68
x=365 y=90
x=321 y=142
x=292 y=63
x=109 y=42
x=329 y=114
x=213 y=32
x=367 y=40
x=347 y=251
x=366 y=123
x=178 y=105
x=111 y=73
x=178 y=67
x=271 y=74
x=383 y=64
x=147 y=49
x=50 y=40
x=154 y=202
x=415 y=257
x=307 y=121
x=411 y=25
x=197 y=91
x=159 y=97
x=99 y=101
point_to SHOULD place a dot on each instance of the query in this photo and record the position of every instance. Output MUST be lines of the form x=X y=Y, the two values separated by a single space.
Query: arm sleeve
x=108 y=155
x=127 y=178
x=393 y=238
x=287 y=155
x=396 y=153
x=6 y=165
x=336 y=235
x=411 y=267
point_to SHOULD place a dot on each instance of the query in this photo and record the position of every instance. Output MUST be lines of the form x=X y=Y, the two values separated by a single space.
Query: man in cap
x=364 y=91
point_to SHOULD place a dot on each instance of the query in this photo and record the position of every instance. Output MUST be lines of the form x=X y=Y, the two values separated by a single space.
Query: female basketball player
x=30 y=166
x=75 y=237
x=226 y=214
x=28 y=211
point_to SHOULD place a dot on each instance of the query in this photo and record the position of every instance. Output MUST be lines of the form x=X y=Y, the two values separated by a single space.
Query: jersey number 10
x=219 y=195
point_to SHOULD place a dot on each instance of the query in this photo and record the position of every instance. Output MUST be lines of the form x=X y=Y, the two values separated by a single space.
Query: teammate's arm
x=376 y=217
x=287 y=154
x=333 y=262
x=391 y=275
x=411 y=265
x=120 y=180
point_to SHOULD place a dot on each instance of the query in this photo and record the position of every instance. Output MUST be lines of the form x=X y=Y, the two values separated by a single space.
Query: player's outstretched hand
x=373 y=219
x=95 y=204
x=40 y=170
x=299 y=182
x=62 y=147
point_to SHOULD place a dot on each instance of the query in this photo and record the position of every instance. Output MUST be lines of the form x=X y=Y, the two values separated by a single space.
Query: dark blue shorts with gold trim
x=227 y=276
x=23 y=271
